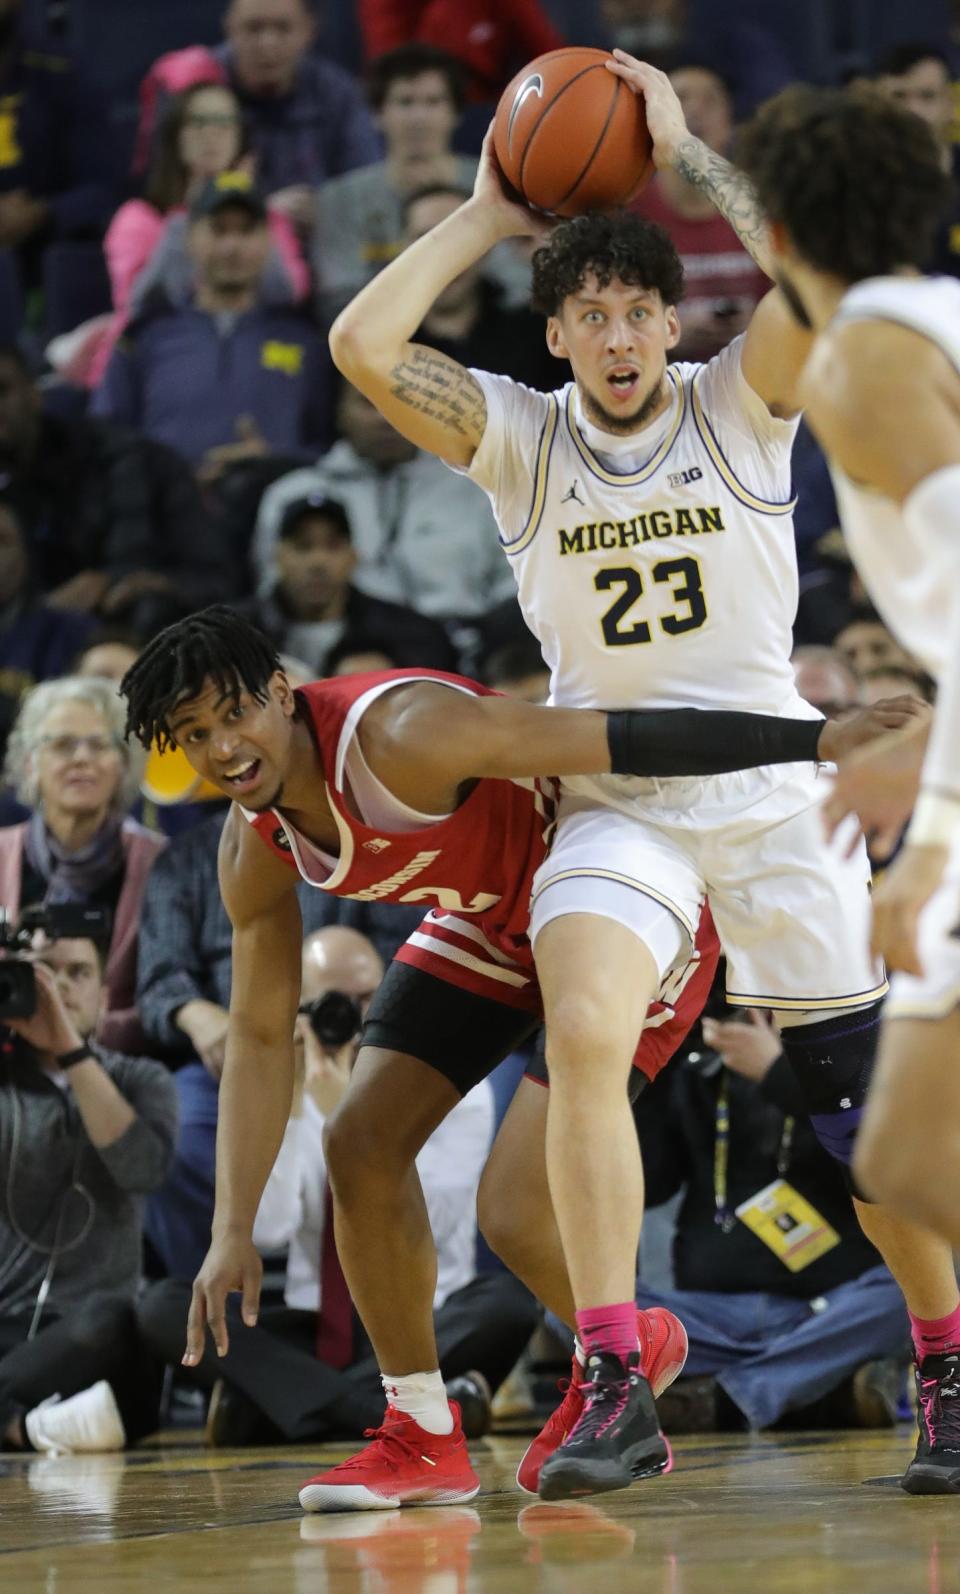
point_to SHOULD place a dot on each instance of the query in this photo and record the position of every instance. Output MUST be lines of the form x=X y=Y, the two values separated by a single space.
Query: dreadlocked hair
x=215 y=645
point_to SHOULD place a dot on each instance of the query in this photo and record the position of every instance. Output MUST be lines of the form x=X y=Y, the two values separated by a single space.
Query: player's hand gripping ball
x=570 y=136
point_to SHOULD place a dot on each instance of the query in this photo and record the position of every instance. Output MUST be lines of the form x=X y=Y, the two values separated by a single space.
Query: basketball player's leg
x=426 y=1043
x=514 y=1210
x=384 y=1241
x=816 y=910
x=597 y=980
x=908 y=1147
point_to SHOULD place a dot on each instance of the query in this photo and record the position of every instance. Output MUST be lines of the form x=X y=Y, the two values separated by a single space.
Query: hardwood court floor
x=817 y=1514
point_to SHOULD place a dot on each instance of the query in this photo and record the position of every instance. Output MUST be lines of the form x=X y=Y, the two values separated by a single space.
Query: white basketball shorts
x=792 y=913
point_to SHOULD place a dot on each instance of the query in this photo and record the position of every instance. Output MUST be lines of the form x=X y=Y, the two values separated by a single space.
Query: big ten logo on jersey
x=683 y=478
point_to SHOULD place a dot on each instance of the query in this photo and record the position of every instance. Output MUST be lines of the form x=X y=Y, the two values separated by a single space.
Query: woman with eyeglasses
x=201 y=135
x=68 y=762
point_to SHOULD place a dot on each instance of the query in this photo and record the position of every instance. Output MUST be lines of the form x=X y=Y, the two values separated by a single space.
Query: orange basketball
x=570 y=136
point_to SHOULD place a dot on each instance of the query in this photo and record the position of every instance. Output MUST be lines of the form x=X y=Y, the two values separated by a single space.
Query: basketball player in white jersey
x=646 y=512
x=883 y=394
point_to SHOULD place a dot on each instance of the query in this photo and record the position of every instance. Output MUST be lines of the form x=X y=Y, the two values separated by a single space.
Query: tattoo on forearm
x=730 y=191
x=436 y=386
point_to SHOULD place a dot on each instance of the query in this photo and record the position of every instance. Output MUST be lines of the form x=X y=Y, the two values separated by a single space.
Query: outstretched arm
x=776 y=347
x=425 y=741
x=430 y=398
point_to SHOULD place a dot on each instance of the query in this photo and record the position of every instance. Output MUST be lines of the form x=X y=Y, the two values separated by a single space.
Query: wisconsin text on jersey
x=656 y=523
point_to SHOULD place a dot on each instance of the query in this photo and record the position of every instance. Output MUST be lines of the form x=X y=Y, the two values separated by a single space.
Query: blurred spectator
x=517 y=669
x=108 y=654
x=307 y=118
x=69 y=762
x=920 y=78
x=84 y=1134
x=469 y=320
x=56 y=169
x=826 y=680
x=742 y=47
x=112 y=523
x=893 y=681
x=492 y=38
x=36 y=642
x=201 y=135
x=222 y=381
x=866 y=645
x=417 y=95
x=817 y=1332
x=424 y=537
x=722 y=284
x=183 y=990
x=293 y=1377
x=363 y=657
x=314 y=607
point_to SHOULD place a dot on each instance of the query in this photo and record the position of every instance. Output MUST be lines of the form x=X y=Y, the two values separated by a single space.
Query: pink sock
x=612 y=1329
x=932 y=1336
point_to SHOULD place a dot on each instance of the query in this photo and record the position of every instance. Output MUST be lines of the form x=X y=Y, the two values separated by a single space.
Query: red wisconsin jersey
x=472 y=869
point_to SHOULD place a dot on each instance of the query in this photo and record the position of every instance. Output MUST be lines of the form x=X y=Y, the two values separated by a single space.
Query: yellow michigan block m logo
x=10 y=152
x=286 y=357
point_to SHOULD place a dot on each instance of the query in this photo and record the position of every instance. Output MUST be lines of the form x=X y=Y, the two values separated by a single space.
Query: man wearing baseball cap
x=223 y=380
x=313 y=610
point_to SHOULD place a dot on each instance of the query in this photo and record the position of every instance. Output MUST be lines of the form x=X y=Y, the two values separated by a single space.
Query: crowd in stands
x=173 y=432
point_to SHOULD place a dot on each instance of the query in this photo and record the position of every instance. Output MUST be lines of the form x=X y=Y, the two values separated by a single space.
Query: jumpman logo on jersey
x=572 y=493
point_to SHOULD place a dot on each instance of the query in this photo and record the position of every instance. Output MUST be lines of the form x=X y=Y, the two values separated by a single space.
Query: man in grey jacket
x=84 y=1134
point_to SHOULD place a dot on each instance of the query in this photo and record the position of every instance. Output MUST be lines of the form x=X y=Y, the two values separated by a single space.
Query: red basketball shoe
x=663 y=1352
x=403 y=1465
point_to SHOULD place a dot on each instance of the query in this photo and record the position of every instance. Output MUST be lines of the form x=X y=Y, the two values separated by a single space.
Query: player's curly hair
x=612 y=246
x=855 y=179
x=213 y=645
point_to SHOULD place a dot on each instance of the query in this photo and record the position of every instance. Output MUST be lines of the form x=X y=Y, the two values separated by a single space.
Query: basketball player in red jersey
x=407 y=786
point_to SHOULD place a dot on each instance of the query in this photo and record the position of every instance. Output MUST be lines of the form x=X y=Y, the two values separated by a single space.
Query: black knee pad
x=833 y=1064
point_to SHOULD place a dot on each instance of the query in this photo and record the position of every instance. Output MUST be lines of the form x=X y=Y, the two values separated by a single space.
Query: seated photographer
x=306 y=1370
x=84 y=1133
x=790 y=1313
x=183 y=991
x=69 y=763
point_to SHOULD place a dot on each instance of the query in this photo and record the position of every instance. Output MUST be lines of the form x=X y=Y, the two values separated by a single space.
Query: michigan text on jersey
x=604 y=535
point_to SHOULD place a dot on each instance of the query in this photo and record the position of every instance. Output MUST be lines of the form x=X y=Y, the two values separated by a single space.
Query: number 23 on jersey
x=622 y=624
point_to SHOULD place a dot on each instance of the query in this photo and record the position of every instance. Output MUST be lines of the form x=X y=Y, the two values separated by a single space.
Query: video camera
x=59 y=922
x=334 y=1018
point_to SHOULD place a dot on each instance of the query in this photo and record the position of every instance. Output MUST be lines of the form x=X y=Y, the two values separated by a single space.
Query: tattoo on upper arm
x=731 y=192
x=437 y=387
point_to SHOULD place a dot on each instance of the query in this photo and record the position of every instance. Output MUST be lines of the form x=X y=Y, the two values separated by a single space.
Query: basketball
x=570 y=136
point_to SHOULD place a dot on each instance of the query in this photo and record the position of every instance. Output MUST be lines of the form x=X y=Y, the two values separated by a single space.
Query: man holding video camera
x=84 y=1133
x=306 y=1370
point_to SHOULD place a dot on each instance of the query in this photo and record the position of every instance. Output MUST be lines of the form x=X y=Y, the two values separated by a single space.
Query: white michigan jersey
x=657 y=570
x=902 y=574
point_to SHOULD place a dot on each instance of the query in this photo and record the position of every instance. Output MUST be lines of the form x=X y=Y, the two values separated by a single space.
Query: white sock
x=579 y=1352
x=421 y=1396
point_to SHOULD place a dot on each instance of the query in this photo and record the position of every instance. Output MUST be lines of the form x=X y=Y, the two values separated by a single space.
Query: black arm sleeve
x=692 y=741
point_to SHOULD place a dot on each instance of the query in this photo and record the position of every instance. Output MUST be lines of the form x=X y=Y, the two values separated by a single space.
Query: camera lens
x=334 y=1018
